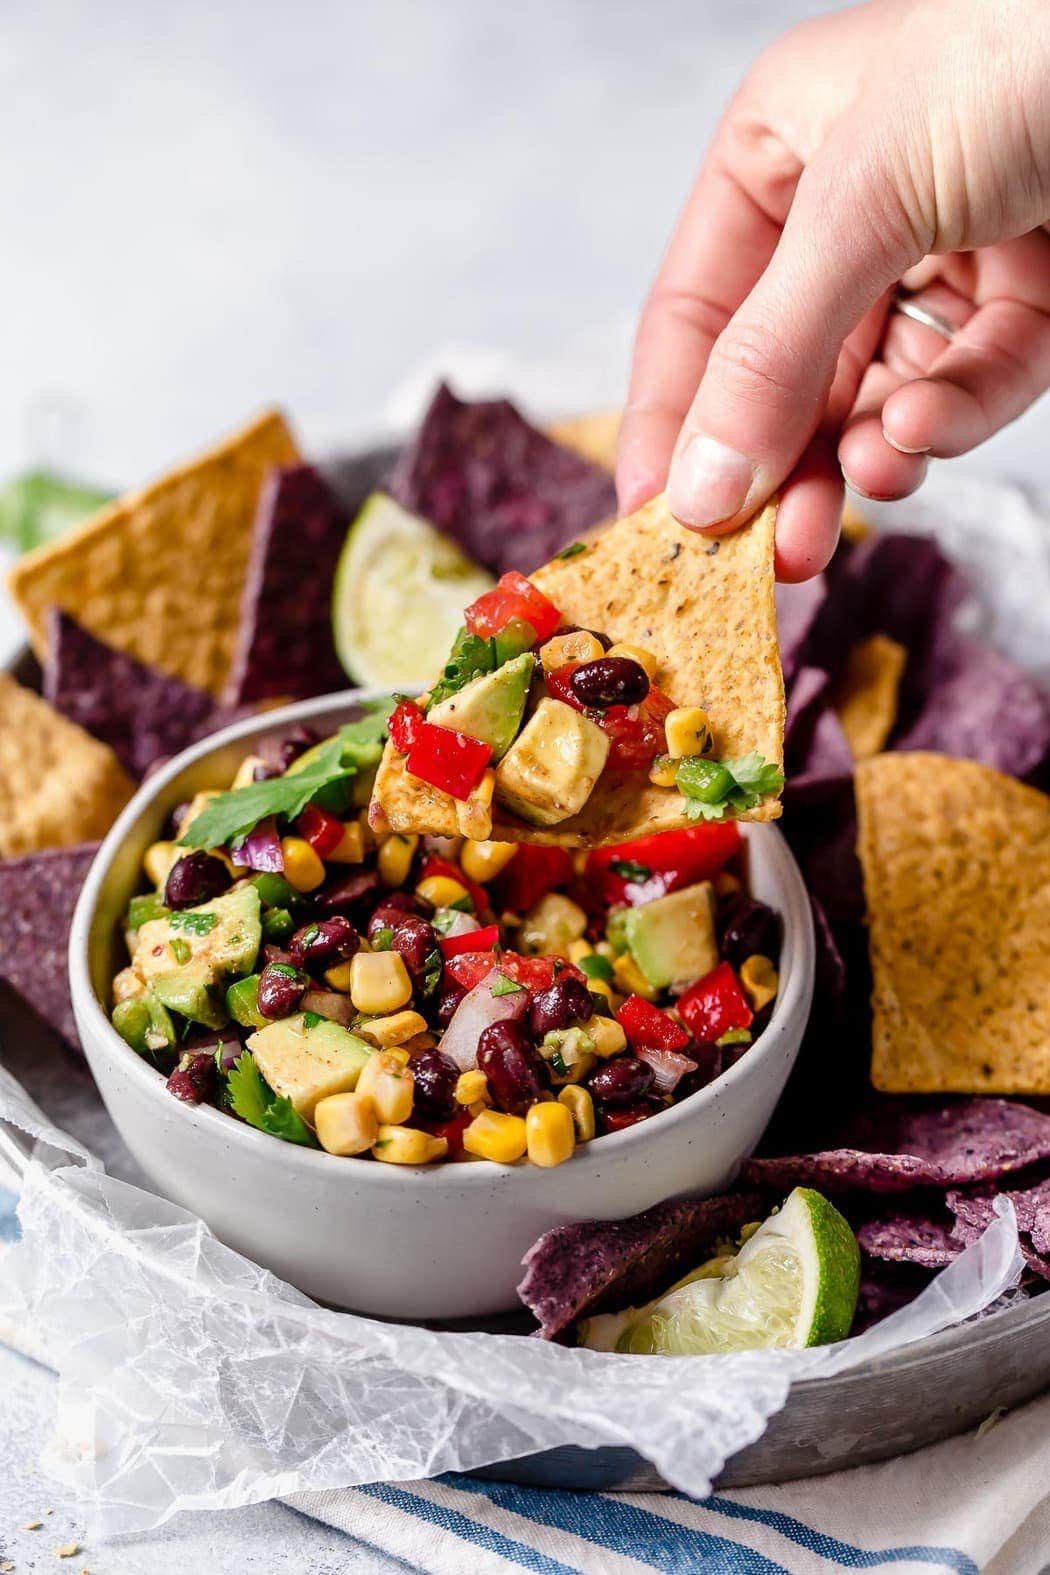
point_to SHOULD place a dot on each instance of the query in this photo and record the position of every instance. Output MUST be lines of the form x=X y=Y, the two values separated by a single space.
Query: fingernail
x=902 y=448
x=708 y=483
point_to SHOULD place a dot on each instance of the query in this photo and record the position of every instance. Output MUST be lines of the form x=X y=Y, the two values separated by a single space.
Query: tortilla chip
x=854 y=526
x=866 y=700
x=57 y=784
x=956 y=861
x=704 y=608
x=159 y=573
x=594 y=436
x=974 y=1212
x=37 y=896
x=909 y=1238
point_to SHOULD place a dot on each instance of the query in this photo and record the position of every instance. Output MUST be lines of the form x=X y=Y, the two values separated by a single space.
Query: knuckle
x=754 y=364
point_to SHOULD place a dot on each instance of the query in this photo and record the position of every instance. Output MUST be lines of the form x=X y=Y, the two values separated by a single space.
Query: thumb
x=763 y=392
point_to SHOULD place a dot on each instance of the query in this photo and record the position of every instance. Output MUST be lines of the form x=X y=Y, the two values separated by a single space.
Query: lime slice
x=793 y=1284
x=399 y=594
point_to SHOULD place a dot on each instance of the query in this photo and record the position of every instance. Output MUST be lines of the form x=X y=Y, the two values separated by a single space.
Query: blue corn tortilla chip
x=901 y=1144
x=38 y=893
x=285 y=647
x=908 y=1238
x=884 y=1289
x=509 y=496
x=975 y=1210
x=143 y=715
x=573 y=1271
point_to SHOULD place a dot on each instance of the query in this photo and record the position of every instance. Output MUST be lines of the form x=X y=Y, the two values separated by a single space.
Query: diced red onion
x=261 y=849
x=477 y=1010
x=456 y=923
x=331 y=1004
x=668 y=1067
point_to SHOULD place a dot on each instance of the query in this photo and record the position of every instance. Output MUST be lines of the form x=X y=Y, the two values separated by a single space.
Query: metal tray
x=919 y=1395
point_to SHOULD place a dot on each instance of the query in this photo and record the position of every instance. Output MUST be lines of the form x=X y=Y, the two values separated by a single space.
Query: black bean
x=517 y=1073
x=560 y=1005
x=281 y=988
x=436 y=1077
x=611 y=680
x=324 y=943
x=350 y=894
x=194 y=1077
x=750 y=927
x=195 y=879
x=416 y=941
x=449 y=997
x=622 y=1081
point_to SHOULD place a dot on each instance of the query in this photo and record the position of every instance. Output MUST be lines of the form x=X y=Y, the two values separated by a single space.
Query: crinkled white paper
x=190 y=1378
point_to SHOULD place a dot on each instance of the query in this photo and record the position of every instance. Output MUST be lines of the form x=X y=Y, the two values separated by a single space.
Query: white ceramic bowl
x=440 y=1243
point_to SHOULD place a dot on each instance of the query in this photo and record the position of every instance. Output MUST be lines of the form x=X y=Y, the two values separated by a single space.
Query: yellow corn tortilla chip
x=58 y=785
x=594 y=436
x=956 y=861
x=854 y=526
x=866 y=700
x=159 y=573
x=703 y=606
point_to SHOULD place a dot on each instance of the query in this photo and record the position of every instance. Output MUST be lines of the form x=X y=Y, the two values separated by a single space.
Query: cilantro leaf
x=193 y=923
x=505 y=986
x=572 y=550
x=433 y=964
x=470 y=657
x=628 y=869
x=356 y=747
x=249 y=1096
x=715 y=788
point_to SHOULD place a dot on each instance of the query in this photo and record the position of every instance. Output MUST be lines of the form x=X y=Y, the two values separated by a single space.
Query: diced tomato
x=452 y=1131
x=404 y=719
x=615 y=1118
x=513 y=597
x=535 y=973
x=530 y=875
x=320 y=829
x=473 y=941
x=451 y=761
x=645 y=1025
x=432 y=865
x=635 y=741
x=714 y=1005
x=559 y=685
x=640 y=871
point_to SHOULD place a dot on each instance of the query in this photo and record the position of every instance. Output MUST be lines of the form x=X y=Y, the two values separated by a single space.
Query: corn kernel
x=552 y=925
x=631 y=979
x=580 y=646
x=397 y=1029
x=760 y=980
x=550 y=1134
x=379 y=983
x=606 y=1035
x=493 y=1135
x=441 y=890
x=394 y=859
x=636 y=653
x=580 y=949
x=350 y=849
x=474 y=813
x=471 y=1087
x=483 y=861
x=390 y=1085
x=726 y=884
x=688 y=732
x=302 y=867
x=397 y=1145
x=603 y=987
x=158 y=860
x=420 y=1042
x=246 y=772
x=346 y=1123
x=664 y=771
x=338 y=978
x=580 y=1105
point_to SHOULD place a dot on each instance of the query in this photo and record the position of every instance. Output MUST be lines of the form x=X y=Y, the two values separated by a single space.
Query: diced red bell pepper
x=535 y=973
x=513 y=597
x=715 y=1004
x=474 y=941
x=530 y=875
x=404 y=719
x=433 y=865
x=451 y=761
x=671 y=860
x=452 y=1130
x=616 y=1118
x=635 y=741
x=320 y=829
x=646 y=1025
x=559 y=685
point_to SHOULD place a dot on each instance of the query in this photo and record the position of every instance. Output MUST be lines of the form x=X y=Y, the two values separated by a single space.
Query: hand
x=903 y=140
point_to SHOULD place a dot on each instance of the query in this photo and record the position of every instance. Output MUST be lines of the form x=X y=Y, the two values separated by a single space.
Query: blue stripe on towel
x=470 y=1530
x=831 y=1548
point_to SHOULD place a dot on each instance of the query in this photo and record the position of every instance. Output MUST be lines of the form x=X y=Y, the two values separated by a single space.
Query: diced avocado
x=145 y=1024
x=150 y=905
x=242 y=1002
x=515 y=637
x=186 y=957
x=673 y=939
x=490 y=707
x=305 y=1058
x=549 y=772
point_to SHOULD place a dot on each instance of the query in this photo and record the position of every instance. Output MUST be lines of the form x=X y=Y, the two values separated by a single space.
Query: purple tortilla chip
x=884 y=1289
x=797 y=610
x=38 y=893
x=143 y=715
x=979 y=705
x=822 y=831
x=285 y=644
x=907 y=1238
x=503 y=490
x=975 y=1211
x=602 y=1266
x=903 y=1144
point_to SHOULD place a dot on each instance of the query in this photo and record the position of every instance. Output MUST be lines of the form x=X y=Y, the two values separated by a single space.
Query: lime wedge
x=399 y=594
x=793 y=1284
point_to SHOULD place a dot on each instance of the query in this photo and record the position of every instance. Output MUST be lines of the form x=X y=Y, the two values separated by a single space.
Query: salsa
x=413 y=1000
